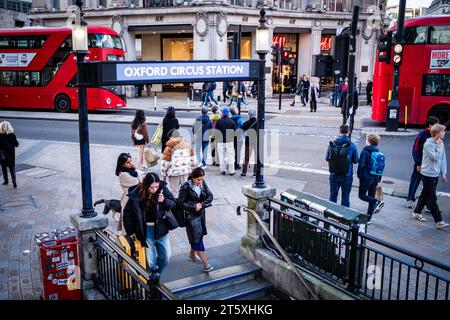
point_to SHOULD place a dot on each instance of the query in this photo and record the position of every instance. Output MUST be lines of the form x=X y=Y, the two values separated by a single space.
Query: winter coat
x=141 y=129
x=249 y=124
x=8 y=145
x=353 y=152
x=364 y=163
x=313 y=93
x=167 y=125
x=196 y=220
x=127 y=181
x=203 y=122
x=239 y=121
x=178 y=158
x=223 y=125
x=434 y=161
x=134 y=216
x=417 y=151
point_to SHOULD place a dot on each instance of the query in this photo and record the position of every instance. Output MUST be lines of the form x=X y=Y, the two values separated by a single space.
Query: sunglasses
x=125 y=155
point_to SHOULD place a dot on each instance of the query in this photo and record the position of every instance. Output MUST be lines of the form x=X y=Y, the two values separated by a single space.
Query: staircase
x=238 y=282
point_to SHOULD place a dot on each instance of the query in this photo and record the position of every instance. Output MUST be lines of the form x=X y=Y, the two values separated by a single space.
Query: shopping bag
x=151 y=157
x=379 y=193
x=157 y=136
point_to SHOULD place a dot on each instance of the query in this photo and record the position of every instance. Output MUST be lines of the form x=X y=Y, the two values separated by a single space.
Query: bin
x=59 y=259
x=320 y=244
x=197 y=95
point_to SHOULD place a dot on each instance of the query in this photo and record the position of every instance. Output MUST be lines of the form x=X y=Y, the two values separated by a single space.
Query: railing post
x=88 y=254
x=353 y=265
x=256 y=199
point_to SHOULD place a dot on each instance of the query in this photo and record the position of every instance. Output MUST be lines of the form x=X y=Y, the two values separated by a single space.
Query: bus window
x=8 y=78
x=117 y=43
x=415 y=35
x=436 y=85
x=440 y=35
x=4 y=42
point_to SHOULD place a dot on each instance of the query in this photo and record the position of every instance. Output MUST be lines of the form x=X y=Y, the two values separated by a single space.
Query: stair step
x=214 y=280
x=252 y=289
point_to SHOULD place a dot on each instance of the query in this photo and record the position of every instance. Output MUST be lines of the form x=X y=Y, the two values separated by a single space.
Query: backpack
x=339 y=161
x=376 y=163
x=213 y=86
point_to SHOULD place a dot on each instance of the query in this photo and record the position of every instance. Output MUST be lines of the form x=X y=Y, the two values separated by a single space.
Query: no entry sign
x=136 y=72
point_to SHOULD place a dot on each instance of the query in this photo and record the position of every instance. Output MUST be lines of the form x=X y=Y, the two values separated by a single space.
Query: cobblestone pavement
x=49 y=192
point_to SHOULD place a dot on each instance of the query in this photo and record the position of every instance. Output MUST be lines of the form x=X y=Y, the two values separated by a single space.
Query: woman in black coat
x=8 y=145
x=169 y=123
x=143 y=217
x=194 y=198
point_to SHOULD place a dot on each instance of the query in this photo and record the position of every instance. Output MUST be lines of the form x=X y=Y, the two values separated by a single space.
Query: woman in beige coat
x=128 y=177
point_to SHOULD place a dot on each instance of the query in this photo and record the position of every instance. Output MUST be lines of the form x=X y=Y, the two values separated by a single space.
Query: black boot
x=14 y=184
x=5 y=182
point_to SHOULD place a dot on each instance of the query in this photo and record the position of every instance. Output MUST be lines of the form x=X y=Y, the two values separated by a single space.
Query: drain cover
x=35 y=172
x=17 y=201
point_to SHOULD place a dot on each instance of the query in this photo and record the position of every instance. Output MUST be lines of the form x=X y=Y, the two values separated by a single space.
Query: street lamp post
x=80 y=47
x=262 y=48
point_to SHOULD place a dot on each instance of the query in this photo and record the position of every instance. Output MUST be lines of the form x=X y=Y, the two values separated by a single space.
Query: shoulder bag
x=157 y=136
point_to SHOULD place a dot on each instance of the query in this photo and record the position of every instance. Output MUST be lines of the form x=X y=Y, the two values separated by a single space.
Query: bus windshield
x=105 y=41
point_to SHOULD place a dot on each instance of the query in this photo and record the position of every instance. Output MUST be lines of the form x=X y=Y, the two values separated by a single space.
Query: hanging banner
x=16 y=59
x=440 y=59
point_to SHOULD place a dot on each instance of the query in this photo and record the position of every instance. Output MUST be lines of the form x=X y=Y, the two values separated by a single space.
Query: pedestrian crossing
x=37 y=172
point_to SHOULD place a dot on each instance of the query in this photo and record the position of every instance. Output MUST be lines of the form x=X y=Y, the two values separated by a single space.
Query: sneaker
x=195 y=259
x=243 y=175
x=231 y=173
x=419 y=217
x=208 y=268
x=409 y=204
x=203 y=167
x=291 y=104
x=223 y=173
x=442 y=225
x=378 y=207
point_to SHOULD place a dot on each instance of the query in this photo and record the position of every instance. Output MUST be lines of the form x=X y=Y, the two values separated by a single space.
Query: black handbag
x=2 y=156
x=170 y=220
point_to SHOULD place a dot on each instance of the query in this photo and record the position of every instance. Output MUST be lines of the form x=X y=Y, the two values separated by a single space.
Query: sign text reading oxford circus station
x=171 y=71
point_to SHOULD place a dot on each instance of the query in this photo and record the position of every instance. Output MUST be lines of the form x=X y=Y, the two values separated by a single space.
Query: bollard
x=188 y=104
x=406 y=117
x=155 y=101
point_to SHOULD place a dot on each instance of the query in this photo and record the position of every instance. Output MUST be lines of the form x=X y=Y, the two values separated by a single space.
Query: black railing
x=121 y=278
x=355 y=261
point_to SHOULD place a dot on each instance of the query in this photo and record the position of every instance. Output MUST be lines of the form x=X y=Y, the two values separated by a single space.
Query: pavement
x=49 y=192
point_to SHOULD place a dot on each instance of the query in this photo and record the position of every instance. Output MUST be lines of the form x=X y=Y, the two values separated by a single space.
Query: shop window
x=178 y=49
x=436 y=85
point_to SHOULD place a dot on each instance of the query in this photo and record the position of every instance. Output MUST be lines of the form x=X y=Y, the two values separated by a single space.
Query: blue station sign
x=135 y=72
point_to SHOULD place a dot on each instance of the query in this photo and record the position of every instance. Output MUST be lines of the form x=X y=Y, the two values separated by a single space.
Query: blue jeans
x=158 y=251
x=338 y=181
x=209 y=95
x=367 y=190
x=202 y=155
x=414 y=184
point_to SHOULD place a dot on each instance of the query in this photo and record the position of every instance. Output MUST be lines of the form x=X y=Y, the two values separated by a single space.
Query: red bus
x=424 y=84
x=38 y=68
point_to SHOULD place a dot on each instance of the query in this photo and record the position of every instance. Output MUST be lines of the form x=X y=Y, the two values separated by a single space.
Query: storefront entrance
x=176 y=47
x=288 y=72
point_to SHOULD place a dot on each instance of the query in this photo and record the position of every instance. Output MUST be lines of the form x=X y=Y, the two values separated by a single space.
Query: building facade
x=13 y=13
x=439 y=7
x=202 y=29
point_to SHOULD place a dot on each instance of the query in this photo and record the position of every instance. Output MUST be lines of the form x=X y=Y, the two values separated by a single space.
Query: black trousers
x=12 y=170
x=428 y=198
x=313 y=105
x=249 y=150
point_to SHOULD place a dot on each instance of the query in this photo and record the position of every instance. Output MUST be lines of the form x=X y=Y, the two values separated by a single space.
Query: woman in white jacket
x=128 y=177
x=177 y=161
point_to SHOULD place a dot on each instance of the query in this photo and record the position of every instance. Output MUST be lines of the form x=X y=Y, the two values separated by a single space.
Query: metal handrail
x=135 y=266
x=278 y=246
x=404 y=251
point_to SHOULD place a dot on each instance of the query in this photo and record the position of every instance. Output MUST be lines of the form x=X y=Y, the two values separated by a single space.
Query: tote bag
x=157 y=136
x=151 y=157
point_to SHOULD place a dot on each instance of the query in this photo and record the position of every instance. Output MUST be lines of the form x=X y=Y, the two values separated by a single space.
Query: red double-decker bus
x=38 y=68
x=424 y=84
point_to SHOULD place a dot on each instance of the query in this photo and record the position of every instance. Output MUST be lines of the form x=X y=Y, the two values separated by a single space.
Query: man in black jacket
x=224 y=135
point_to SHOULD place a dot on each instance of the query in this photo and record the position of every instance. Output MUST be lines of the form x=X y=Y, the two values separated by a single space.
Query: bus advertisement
x=424 y=84
x=38 y=68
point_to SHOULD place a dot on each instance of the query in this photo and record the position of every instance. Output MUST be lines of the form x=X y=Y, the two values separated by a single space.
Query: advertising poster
x=440 y=59
x=16 y=59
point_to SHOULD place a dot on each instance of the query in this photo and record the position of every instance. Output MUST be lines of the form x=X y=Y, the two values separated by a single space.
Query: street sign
x=101 y=73
x=397 y=59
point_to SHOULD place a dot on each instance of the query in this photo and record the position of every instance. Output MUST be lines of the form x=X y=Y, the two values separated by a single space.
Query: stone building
x=439 y=7
x=14 y=13
x=201 y=30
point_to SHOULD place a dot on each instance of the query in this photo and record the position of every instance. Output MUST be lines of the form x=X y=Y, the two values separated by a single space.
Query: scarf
x=131 y=171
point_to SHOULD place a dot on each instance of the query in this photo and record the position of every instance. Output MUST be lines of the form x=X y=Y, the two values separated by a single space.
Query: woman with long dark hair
x=128 y=177
x=169 y=122
x=194 y=198
x=144 y=219
x=8 y=145
x=139 y=136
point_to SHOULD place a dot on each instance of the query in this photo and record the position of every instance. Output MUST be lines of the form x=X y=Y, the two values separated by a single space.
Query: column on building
x=309 y=45
x=129 y=38
x=151 y=51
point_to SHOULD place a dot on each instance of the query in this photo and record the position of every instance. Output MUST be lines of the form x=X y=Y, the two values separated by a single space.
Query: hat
x=252 y=113
x=225 y=111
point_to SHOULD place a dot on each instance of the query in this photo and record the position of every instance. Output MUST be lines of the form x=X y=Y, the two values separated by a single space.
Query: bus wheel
x=442 y=112
x=62 y=103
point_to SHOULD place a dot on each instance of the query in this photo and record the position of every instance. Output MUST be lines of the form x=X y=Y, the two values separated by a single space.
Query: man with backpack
x=341 y=155
x=209 y=93
x=201 y=125
x=370 y=170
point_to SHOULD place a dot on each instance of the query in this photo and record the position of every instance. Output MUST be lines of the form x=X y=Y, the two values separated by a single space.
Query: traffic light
x=275 y=53
x=384 y=48
x=285 y=56
x=341 y=53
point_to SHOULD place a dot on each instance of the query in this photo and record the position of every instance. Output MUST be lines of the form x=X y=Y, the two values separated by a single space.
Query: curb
x=383 y=132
